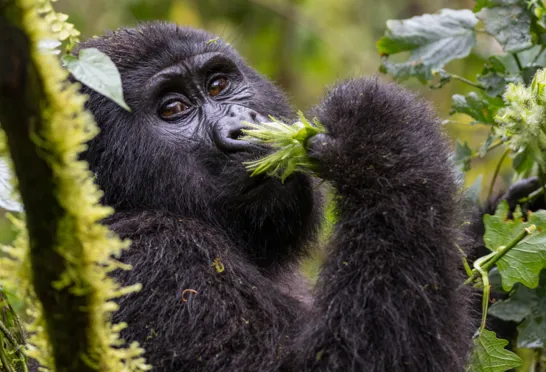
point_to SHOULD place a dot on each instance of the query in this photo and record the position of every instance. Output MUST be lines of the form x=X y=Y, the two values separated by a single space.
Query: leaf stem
x=490 y=148
x=496 y=174
x=486 y=291
x=517 y=61
x=466 y=81
x=494 y=257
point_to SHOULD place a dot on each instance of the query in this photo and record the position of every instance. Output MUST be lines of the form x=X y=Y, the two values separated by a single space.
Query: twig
x=466 y=81
x=495 y=175
x=492 y=258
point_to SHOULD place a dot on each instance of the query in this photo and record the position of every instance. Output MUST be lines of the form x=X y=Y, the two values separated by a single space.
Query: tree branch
x=22 y=99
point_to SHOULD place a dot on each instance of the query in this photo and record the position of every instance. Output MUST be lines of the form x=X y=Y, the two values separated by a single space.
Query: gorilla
x=217 y=251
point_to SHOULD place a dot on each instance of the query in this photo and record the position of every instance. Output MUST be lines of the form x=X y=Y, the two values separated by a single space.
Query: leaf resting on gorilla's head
x=290 y=143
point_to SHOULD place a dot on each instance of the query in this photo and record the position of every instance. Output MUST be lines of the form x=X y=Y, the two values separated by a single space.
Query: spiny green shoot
x=290 y=142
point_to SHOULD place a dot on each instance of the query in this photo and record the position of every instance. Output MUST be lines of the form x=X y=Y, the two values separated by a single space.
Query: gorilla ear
x=96 y=70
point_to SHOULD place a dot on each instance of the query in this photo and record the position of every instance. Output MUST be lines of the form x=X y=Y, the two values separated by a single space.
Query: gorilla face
x=179 y=150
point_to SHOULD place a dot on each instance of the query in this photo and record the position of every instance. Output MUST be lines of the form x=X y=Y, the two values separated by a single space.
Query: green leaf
x=489 y=354
x=523 y=162
x=482 y=109
x=532 y=332
x=492 y=3
x=504 y=63
x=523 y=263
x=432 y=40
x=516 y=307
x=463 y=155
x=534 y=56
x=96 y=70
x=509 y=24
x=495 y=83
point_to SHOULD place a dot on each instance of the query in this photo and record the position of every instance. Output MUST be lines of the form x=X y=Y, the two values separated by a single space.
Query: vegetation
x=508 y=97
x=60 y=262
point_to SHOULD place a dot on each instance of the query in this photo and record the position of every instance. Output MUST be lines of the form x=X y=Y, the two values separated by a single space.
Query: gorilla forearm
x=392 y=271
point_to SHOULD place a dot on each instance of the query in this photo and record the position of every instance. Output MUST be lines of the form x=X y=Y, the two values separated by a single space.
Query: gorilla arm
x=389 y=297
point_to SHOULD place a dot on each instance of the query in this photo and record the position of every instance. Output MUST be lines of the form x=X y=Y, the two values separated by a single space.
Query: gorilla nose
x=227 y=132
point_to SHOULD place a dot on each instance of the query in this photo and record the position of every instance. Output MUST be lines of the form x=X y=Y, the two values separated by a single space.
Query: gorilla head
x=179 y=149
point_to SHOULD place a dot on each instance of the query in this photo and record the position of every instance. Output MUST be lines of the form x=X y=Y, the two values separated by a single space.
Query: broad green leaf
x=523 y=162
x=96 y=70
x=494 y=82
x=432 y=40
x=463 y=155
x=492 y=3
x=523 y=263
x=504 y=63
x=532 y=332
x=534 y=56
x=509 y=24
x=516 y=307
x=482 y=109
x=489 y=354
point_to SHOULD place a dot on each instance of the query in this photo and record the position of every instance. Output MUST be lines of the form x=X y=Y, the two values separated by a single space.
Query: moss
x=60 y=262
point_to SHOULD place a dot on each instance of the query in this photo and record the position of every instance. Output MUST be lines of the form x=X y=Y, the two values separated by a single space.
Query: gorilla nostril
x=232 y=114
x=253 y=115
x=227 y=136
x=235 y=133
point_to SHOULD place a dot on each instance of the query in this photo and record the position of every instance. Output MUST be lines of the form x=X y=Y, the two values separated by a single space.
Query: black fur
x=216 y=251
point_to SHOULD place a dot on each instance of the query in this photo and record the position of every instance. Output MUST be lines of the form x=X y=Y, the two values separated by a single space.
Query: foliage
x=289 y=143
x=95 y=69
x=509 y=97
x=60 y=262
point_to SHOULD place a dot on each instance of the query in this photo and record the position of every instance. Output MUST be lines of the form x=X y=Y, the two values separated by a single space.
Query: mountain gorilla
x=217 y=250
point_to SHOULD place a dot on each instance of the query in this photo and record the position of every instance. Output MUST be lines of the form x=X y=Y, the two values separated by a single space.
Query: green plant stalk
x=496 y=174
x=492 y=258
x=486 y=290
x=466 y=81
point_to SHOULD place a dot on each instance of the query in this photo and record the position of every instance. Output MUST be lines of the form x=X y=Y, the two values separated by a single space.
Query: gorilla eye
x=217 y=85
x=170 y=109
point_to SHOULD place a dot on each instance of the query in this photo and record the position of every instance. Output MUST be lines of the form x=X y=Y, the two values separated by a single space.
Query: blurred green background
x=304 y=46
